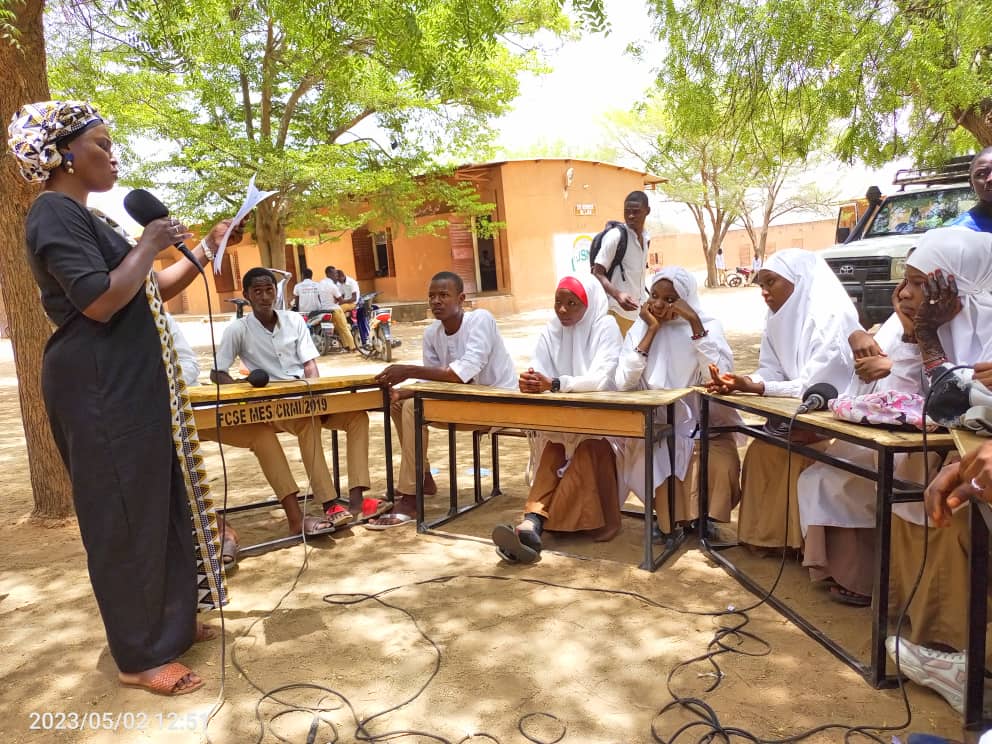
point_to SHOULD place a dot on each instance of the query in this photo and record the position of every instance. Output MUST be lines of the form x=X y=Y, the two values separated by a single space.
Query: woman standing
x=672 y=345
x=117 y=402
x=575 y=483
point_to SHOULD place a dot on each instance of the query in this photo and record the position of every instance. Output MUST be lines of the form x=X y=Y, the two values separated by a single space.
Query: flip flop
x=165 y=680
x=387 y=522
x=310 y=528
x=509 y=546
x=338 y=516
x=229 y=550
x=372 y=508
x=845 y=596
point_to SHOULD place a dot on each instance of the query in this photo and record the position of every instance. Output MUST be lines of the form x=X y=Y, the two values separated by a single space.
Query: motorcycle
x=370 y=329
x=322 y=331
x=739 y=276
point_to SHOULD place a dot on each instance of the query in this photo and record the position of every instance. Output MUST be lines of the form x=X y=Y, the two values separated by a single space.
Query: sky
x=588 y=76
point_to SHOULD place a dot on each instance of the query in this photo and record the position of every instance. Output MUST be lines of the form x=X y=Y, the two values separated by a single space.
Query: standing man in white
x=624 y=283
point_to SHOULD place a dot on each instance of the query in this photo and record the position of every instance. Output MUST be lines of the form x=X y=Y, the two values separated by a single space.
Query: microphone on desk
x=952 y=396
x=816 y=397
x=257 y=378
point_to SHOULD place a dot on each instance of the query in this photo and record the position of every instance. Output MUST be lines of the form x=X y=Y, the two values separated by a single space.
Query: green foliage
x=906 y=76
x=8 y=24
x=277 y=88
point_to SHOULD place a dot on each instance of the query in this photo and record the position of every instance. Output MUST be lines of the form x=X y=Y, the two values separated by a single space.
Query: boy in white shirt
x=458 y=347
x=625 y=286
x=307 y=293
x=279 y=342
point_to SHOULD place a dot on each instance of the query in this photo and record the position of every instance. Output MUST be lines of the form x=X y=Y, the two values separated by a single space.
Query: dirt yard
x=502 y=644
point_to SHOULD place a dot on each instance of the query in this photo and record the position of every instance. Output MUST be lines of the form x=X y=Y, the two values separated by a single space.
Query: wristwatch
x=555 y=385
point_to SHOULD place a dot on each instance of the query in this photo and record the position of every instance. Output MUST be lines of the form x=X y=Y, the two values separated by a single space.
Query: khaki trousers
x=402 y=417
x=355 y=425
x=261 y=439
x=341 y=326
x=625 y=325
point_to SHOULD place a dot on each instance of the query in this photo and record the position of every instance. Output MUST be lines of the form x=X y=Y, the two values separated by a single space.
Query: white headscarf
x=967 y=256
x=671 y=363
x=592 y=345
x=808 y=334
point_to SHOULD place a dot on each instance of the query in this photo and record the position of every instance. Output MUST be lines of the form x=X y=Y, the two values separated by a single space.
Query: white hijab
x=671 y=361
x=584 y=347
x=808 y=334
x=967 y=256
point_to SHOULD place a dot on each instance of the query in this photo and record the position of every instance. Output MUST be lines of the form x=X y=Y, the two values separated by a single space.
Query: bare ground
x=505 y=648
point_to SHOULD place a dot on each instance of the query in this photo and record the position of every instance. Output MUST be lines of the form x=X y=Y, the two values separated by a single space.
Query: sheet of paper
x=253 y=198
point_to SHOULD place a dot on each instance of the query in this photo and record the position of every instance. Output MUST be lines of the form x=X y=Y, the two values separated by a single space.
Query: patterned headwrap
x=35 y=128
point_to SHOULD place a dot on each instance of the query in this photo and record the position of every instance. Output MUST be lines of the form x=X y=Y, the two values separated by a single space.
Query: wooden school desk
x=886 y=443
x=241 y=404
x=617 y=414
x=978 y=587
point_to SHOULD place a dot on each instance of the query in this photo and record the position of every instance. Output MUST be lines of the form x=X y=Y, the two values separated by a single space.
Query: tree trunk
x=978 y=121
x=25 y=81
x=270 y=233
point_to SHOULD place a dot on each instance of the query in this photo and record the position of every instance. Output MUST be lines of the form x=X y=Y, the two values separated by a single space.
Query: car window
x=918 y=212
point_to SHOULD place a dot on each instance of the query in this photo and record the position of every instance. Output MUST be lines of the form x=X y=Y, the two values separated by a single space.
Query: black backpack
x=597 y=243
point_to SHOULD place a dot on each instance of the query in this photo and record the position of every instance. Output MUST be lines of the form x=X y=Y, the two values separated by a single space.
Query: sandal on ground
x=388 y=521
x=205 y=632
x=511 y=547
x=845 y=596
x=229 y=550
x=338 y=516
x=316 y=526
x=372 y=508
x=166 y=680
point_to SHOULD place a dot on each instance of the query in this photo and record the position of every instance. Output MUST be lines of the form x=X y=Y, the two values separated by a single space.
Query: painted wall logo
x=572 y=253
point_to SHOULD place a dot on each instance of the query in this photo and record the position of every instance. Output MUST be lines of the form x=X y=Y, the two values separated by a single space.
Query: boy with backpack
x=619 y=257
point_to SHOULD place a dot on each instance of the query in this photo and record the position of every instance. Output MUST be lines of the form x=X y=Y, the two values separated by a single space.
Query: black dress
x=107 y=398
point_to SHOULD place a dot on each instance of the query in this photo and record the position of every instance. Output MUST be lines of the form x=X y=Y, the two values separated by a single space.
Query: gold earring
x=67 y=162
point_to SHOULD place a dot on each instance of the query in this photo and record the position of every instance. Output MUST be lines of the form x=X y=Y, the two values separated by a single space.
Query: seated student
x=307 y=294
x=837 y=508
x=327 y=293
x=672 y=345
x=952 y=267
x=458 y=347
x=810 y=318
x=575 y=483
x=278 y=342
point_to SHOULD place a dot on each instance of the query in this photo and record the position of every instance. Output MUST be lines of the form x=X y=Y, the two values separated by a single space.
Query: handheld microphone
x=143 y=206
x=952 y=396
x=816 y=397
x=257 y=378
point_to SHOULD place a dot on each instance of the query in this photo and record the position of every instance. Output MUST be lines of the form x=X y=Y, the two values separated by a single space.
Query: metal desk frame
x=281 y=542
x=650 y=433
x=889 y=490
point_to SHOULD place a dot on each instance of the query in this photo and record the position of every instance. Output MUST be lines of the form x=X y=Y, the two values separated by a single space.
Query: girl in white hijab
x=575 y=483
x=672 y=345
x=810 y=318
x=952 y=269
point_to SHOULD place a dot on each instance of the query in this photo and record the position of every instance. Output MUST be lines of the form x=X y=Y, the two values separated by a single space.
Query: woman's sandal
x=514 y=546
x=846 y=596
x=165 y=680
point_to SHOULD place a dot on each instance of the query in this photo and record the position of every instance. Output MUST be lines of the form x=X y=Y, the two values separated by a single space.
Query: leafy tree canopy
x=277 y=88
x=906 y=76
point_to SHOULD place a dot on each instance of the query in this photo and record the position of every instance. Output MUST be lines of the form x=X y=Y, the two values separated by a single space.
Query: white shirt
x=328 y=292
x=720 y=262
x=349 y=287
x=634 y=263
x=281 y=352
x=189 y=367
x=308 y=292
x=475 y=352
